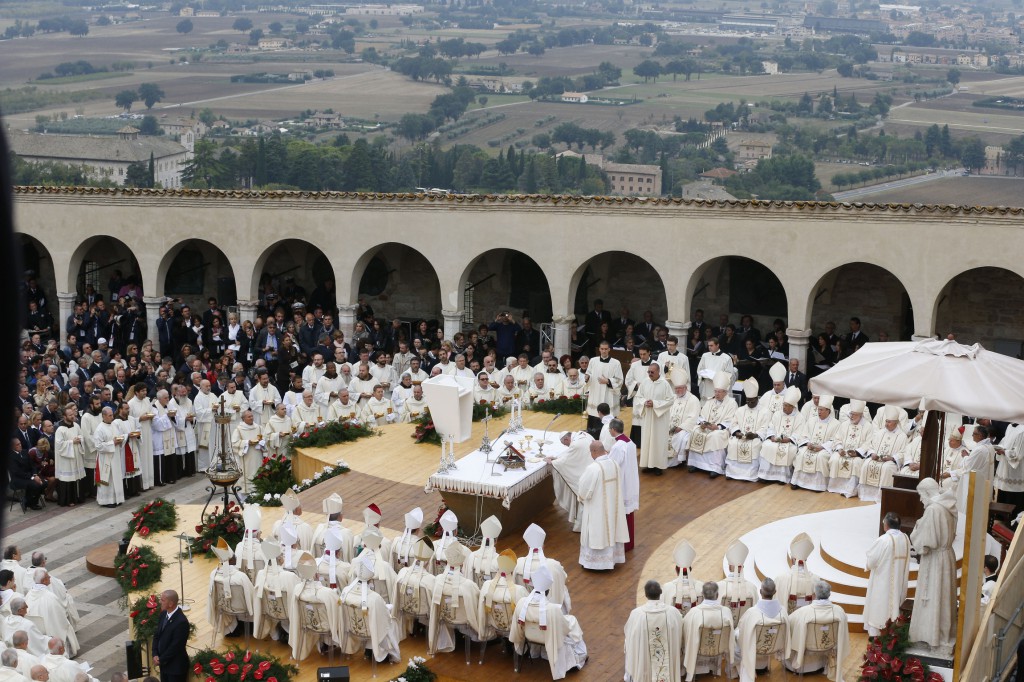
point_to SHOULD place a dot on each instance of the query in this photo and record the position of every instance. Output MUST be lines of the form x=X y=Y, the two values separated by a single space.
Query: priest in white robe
x=559 y=636
x=141 y=411
x=263 y=397
x=652 y=409
x=821 y=625
x=716 y=622
x=568 y=467
x=18 y=621
x=749 y=429
x=623 y=453
x=604 y=380
x=249 y=447
x=654 y=639
x=770 y=618
x=164 y=443
x=69 y=465
x=780 y=447
x=205 y=407
x=795 y=587
x=109 y=488
x=229 y=601
x=851 y=446
x=307 y=414
x=683 y=417
x=234 y=404
x=277 y=432
x=379 y=410
x=126 y=447
x=345 y=408
x=185 y=432
x=711 y=363
x=44 y=605
x=885 y=456
x=710 y=439
x=934 y=618
x=273 y=591
x=888 y=560
x=810 y=466
x=328 y=388
x=683 y=592
x=736 y=592
x=603 y=529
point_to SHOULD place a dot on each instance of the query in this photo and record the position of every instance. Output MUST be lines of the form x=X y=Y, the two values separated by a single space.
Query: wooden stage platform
x=392 y=470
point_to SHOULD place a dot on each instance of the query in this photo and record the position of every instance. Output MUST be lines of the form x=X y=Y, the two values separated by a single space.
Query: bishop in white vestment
x=568 y=468
x=822 y=625
x=851 y=446
x=770 y=619
x=652 y=409
x=810 y=466
x=885 y=456
x=710 y=439
x=682 y=419
x=778 y=451
x=749 y=429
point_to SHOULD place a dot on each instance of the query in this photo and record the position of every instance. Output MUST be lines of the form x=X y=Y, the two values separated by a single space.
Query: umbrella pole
x=931 y=444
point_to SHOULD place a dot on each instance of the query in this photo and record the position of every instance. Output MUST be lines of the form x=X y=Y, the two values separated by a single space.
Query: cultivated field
x=959 y=191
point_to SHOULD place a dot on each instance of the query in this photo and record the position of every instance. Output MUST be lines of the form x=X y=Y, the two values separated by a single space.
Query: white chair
x=230 y=604
x=534 y=637
x=499 y=619
x=356 y=629
x=770 y=643
x=713 y=649
x=822 y=639
x=317 y=622
x=274 y=608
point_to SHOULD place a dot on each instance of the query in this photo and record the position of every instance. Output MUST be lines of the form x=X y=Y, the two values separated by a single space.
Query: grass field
x=959 y=191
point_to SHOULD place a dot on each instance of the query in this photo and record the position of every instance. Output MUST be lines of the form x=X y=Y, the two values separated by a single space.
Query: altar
x=480 y=486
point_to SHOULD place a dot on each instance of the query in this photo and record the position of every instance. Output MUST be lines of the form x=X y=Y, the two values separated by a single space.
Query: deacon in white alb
x=277 y=431
x=263 y=397
x=205 y=405
x=889 y=562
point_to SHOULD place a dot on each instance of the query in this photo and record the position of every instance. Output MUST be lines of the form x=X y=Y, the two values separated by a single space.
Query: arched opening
x=731 y=287
x=505 y=279
x=627 y=285
x=194 y=270
x=292 y=271
x=397 y=281
x=106 y=266
x=982 y=306
x=869 y=292
x=38 y=274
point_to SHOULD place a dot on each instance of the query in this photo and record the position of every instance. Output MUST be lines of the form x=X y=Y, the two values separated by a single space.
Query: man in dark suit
x=23 y=475
x=618 y=327
x=596 y=316
x=170 y=639
x=856 y=338
x=165 y=331
x=794 y=377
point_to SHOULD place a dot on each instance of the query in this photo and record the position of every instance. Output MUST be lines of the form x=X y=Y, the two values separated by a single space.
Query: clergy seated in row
x=540 y=628
x=332 y=506
x=912 y=455
x=603 y=529
x=273 y=591
x=379 y=410
x=314 y=613
x=384 y=577
x=652 y=412
x=707 y=636
x=499 y=596
x=851 y=446
x=796 y=586
x=300 y=533
x=682 y=418
x=683 y=592
x=17 y=621
x=414 y=588
x=749 y=429
x=774 y=398
x=710 y=438
x=482 y=391
x=249 y=447
x=454 y=603
x=527 y=566
x=401 y=549
x=568 y=468
x=250 y=558
x=366 y=620
x=737 y=593
x=229 y=602
x=885 y=456
x=810 y=466
x=761 y=634
x=779 y=448
x=278 y=430
x=449 y=523
x=333 y=571
x=414 y=406
x=483 y=563
x=47 y=609
x=345 y=408
x=654 y=639
x=818 y=637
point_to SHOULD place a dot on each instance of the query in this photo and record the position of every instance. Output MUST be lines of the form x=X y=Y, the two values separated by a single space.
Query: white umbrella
x=934 y=375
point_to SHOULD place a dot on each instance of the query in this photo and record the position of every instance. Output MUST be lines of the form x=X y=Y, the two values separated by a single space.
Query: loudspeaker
x=133 y=654
x=336 y=674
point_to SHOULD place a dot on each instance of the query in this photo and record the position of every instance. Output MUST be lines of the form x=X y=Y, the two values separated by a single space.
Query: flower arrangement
x=153 y=517
x=145 y=616
x=562 y=404
x=137 y=569
x=886 y=657
x=237 y=665
x=483 y=408
x=227 y=524
x=269 y=490
x=425 y=431
x=417 y=671
x=332 y=433
x=434 y=530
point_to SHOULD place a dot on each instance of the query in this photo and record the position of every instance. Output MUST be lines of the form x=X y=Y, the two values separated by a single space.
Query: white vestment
x=934 y=618
x=246 y=445
x=204 y=406
x=682 y=421
x=229 y=598
x=768 y=617
x=44 y=604
x=654 y=643
x=683 y=593
x=716 y=622
x=110 y=466
x=366 y=622
x=820 y=621
x=708 y=445
x=777 y=452
x=888 y=560
x=69 y=465
x=568 y=469
x=598 y=392
x=844 y=467
x=876 y=474
x=277 y=444
x=655 y=421
x=138 y=408
x=561 y=640
x=603 y=531
x=339 y=412
x=262 y=402
x=273 y=591
x=1010 y=464
x=623 y=453
x=743 y=456
x=711 y=363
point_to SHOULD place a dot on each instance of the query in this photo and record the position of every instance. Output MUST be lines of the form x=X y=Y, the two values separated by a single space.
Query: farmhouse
x=575 y=97
x=634 y=179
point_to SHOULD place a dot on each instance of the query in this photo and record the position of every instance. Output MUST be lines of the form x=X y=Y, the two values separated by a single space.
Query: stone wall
x=984 y=305
x=623 y=280
x=412 y=289
x=866 y=291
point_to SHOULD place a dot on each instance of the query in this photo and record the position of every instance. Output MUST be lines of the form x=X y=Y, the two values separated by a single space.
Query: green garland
x=145 y=615
x=562 y=404
x=425 y=431
x=417 y=671
x=153 y=517
x=275 y=477
x=237 y=665
x=483 y=408
x=227 y=524
x=333 y=433
x=137 y=569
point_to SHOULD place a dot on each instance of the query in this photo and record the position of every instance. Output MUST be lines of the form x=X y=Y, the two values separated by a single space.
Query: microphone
x=549 y=426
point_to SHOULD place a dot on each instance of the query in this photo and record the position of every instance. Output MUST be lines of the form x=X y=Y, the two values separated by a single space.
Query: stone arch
x=397 y=280
x=504 y=279
x=97 y=259
x=290 y=258
x=737 y=286
x=874 y=294
x=35 y=257
x=620 y=279
x=982 y=305
x=194 y=270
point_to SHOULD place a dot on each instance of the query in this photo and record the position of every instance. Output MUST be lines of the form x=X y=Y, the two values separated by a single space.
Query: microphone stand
x=544 y=439
x=187 y=539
